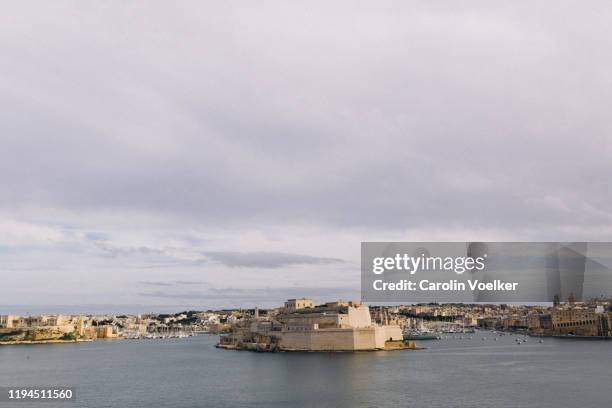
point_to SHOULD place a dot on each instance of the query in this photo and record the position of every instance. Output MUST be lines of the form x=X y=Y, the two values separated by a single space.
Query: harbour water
x=193 y=373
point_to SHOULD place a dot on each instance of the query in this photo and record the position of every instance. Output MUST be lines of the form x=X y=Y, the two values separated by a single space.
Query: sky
x=160 y=155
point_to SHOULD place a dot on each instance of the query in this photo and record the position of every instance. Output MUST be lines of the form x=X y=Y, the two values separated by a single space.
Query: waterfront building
x=105 y=332
x=574 y=321
x=540 y=324
x=9 y=321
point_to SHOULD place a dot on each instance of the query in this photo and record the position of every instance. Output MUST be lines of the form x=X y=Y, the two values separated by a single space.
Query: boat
x=421 y=336
x=421 y=333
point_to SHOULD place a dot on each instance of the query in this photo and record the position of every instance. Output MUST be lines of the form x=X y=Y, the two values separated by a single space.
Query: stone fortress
x=302 y=326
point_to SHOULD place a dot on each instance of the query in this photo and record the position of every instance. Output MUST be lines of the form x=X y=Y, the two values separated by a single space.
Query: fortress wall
x=393 y=332
x=364 y=338
x=296 y=340
x=376 y=336
x=319 y=340
x=359 y=316
x=333 y=339
x=367 y=339
x=381 y=336
x=308 y=319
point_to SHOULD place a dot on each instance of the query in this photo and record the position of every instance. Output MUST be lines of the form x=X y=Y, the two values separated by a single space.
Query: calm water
x=192 y=373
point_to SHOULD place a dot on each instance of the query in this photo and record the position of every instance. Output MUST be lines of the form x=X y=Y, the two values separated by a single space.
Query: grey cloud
x=156 y=283
x=258 y=296
x=228 y=258
x=266 y=259
x=211 y=126
x=114 y=250
x=175 y=283
x=439 y=116
x=172 y=295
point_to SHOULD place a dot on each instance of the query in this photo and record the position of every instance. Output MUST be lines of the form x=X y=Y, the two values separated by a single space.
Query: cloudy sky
x=219 y=156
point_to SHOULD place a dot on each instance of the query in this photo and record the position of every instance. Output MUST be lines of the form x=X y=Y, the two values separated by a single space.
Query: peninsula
x=302 y=326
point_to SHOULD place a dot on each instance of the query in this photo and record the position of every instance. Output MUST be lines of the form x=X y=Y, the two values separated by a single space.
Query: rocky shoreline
x=271 y=348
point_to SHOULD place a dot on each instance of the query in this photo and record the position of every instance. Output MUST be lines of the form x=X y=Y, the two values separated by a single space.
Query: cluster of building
x=335 y=326
x=590 y=319
x=43 y=328
x=54 y=328
x=303 y=326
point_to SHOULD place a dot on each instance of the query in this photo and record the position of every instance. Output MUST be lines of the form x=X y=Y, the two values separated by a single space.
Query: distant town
x=300 y=324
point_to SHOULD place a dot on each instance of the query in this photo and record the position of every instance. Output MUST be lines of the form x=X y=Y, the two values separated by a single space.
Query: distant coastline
x=53 y=341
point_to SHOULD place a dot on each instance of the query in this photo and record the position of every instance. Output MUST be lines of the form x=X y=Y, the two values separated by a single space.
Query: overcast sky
x=192 y=153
